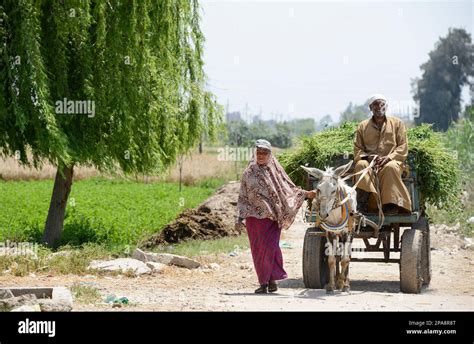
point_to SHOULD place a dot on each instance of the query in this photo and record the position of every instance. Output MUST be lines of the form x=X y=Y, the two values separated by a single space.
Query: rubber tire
x=424 y=226
x=426 y=258
x=411 y=261
x=425 y=252
x=315 y=262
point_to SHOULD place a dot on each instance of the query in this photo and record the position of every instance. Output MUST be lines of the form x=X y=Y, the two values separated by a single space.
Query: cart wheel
x=411 y=261
x=426 y=258
x=315 y=261
x=424 y=226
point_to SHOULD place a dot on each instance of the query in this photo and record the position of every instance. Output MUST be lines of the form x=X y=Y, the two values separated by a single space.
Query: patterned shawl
x=267 y=192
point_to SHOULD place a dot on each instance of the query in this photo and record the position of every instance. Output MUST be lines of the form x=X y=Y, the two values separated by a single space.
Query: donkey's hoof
x=329 y=289
x=346 y=289
x=340 y=284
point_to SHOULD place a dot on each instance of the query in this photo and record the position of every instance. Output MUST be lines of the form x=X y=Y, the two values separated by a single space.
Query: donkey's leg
x=337 y=254
x=330 y=287
x=345 y=273
x=339 y=275
x=341 y=278
x=345 y=262
x=332 y=265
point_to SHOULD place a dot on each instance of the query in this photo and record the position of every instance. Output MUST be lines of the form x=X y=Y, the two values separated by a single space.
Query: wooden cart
x=408 y=234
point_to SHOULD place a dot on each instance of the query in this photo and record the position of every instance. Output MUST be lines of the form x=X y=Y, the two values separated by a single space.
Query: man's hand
x=311 y=194
x=372 y=157
x=381 y=162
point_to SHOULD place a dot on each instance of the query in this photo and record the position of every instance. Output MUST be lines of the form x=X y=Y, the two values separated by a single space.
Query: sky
x=299 y=59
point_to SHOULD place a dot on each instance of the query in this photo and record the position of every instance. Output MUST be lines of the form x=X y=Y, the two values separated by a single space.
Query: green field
x=111 y=212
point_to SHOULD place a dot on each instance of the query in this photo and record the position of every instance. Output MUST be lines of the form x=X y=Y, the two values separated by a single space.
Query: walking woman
x=268 y=202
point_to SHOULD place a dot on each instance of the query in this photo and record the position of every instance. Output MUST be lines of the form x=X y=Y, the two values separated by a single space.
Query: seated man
x=384 y=139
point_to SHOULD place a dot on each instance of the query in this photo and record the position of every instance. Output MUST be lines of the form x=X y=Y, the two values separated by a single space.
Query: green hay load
x=436 y=167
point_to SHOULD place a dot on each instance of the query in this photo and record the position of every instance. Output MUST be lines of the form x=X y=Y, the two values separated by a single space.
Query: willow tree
x=115 y=84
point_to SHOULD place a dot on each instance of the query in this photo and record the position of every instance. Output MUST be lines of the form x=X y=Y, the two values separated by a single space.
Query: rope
x=363 y=172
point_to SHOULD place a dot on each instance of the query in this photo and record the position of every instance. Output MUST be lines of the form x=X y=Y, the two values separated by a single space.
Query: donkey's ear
x=313 y=171
x=342 y=169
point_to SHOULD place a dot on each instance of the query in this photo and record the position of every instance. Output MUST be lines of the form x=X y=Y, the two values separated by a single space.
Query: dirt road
x=229 y=286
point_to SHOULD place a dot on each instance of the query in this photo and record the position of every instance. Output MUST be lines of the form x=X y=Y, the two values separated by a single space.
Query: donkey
x=337 y=220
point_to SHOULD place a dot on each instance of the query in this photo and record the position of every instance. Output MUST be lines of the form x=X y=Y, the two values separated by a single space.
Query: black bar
x=331 y=327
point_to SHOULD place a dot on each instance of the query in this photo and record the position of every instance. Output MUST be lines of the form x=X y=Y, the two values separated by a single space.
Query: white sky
x=311 y=58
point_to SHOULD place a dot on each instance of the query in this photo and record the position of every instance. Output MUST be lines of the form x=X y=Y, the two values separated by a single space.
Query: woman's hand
x=239 y=224
x=310 y=194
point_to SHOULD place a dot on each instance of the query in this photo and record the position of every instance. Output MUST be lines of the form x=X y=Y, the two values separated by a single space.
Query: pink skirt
x=264 y=237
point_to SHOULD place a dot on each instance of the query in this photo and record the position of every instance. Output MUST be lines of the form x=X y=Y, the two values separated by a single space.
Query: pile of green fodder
x=436 y=166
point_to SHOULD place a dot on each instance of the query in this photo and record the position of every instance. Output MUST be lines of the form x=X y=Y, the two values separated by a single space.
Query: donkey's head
x=327 y=186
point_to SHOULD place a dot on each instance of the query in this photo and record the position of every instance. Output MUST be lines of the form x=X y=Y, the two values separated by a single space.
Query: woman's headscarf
x=266 y=191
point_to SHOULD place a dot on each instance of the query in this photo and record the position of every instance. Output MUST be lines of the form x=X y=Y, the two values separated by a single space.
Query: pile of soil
x=212 y=219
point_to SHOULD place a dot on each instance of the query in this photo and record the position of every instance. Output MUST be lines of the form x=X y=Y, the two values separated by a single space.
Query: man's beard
x=381 y=112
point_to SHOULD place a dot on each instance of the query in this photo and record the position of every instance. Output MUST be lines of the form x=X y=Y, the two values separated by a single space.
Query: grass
x=74 y=262
x=195 y=248
x=85 y=293
x=113 y=212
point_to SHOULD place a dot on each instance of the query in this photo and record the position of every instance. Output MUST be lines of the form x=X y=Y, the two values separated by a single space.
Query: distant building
x=233 y=116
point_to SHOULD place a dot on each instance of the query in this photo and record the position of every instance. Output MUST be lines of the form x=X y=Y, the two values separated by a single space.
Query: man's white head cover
x=376 y=97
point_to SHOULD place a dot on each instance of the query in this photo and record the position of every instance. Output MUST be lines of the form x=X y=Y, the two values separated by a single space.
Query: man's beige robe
x=390 y=140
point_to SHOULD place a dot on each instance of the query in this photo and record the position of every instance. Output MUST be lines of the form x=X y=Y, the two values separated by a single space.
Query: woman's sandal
x=272 y=287
x=261 y=290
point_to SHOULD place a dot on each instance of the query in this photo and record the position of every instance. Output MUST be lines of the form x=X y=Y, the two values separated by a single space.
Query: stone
x=467 y=243
x=156 y=267
x=143 y=256
x=213 y=266
x=25 y=308
x=166 y=258
x=47 y=305
x=172 y=259
x=121 y=265
x=5 y=294
x=62 y=295
x=18 y=301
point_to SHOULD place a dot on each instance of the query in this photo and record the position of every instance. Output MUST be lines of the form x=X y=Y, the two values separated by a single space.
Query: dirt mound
x=212 y=219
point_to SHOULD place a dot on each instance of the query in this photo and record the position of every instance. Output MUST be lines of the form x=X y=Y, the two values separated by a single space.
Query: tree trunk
x=57 y=207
